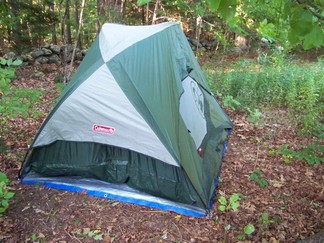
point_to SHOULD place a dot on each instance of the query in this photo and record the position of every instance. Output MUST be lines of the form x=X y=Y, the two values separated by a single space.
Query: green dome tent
x=137 y=123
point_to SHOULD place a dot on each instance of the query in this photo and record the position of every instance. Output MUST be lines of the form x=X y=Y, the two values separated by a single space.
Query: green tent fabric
x=138 y=117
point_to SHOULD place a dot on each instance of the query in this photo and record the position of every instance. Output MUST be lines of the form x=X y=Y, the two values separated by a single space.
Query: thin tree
x=64 y=54
x=16 y=25
x=76 y=18
x=101 y=6
x=68 y=23
x=76 y=38
x=155 y=10
x=53 y=21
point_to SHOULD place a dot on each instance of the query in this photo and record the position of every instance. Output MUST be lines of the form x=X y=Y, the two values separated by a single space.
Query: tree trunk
x=155 y=10
x=53 y=22
x=67 y=23
x=77 y=24
x=77 y=37
x=147 y=13
x=198 y=31
x=16 y=25
x=143 y=15
x=122 y=6
x=101 y=13
x=64 y=53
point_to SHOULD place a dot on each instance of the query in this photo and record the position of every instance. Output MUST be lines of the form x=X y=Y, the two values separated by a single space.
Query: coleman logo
x=103 y=129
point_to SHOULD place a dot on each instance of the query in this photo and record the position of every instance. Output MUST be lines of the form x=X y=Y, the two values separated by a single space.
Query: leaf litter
x=293 y=199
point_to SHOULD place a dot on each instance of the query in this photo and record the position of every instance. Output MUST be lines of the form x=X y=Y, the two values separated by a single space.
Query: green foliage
x=60 y=87
x=77 y=222
x=273 y=82
x=265 y=220
x=32 y=238
x=15 y=101
x=36 y=238
x=289 y=23
x=95 y=234
x=248 y=230
x=230 y=102
x=229 y=204
x=20 y=101
x=256 y=118
x=3 y=146
x=241 y=236
x=305 y=28
x=286 y=153
x=216 y=220
x=227 y=227
x=312 y=153
x=278 y=21
x=7 y=72
x=17 y=15
x=257 y=176
x=142 y=2
x=5 y=195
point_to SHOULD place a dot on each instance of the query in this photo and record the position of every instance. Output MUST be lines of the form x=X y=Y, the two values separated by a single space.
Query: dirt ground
x=293 y=199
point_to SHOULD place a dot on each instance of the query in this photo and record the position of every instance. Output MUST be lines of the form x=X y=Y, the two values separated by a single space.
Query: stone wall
x=50 y=54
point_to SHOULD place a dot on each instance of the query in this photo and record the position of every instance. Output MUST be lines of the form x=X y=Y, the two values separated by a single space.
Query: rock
x=78 y=55
x=237 y=50
x=67 y=48
x=241 y=41
x=47 y=52
x=54 y=59
x=47 y=46
x=41 y=60
x=37 y=53
x=52 y=54
x=67 y=57
x=11 y=55
x=84 y=52
x=195 y=43
x=55 y=48
x=27 y=58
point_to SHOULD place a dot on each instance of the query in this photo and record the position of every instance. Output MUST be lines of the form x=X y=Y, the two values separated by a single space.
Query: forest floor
x=292 y=204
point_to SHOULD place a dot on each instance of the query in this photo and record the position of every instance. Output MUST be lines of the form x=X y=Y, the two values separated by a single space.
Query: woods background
x=288 y=24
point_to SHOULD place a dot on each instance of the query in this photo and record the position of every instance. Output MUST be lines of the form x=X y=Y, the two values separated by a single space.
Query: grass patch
x=296 y=86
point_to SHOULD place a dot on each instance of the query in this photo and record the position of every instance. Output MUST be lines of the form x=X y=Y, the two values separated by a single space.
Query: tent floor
x=119 y=192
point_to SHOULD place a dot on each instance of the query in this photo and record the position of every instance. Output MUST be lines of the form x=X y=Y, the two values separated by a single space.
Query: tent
x=137 y=123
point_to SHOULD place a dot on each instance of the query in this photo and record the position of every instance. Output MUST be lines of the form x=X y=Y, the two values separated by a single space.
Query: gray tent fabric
x=139 y=116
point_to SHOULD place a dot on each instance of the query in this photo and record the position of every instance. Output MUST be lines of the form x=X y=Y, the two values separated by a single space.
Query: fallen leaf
x=277 y=184
x=241 y=136
x=86 y=231
x=114 y=204
x=274 y=240
x=249 y=206
x=37 y=210
x=107 y=239
x=25 y=208
x=178 y=217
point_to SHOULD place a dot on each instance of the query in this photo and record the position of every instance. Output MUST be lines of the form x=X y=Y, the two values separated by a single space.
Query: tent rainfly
x=137 y=123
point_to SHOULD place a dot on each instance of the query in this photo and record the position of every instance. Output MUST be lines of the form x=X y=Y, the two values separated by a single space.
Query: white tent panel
x=99 y=111
x=192 y=110
x=114 y=38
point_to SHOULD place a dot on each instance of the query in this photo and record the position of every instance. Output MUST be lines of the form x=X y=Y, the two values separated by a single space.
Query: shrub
x=5 y=195
x=15 y=101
